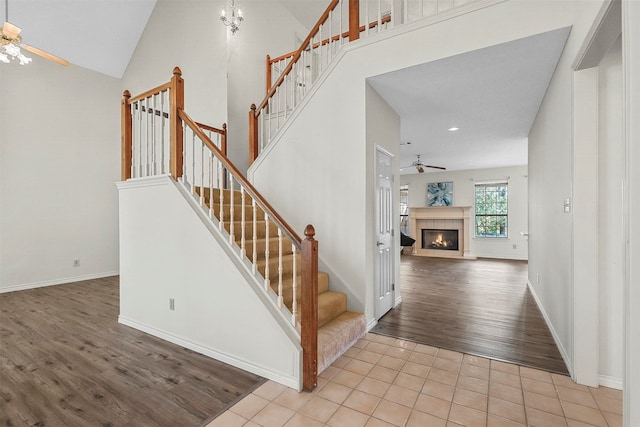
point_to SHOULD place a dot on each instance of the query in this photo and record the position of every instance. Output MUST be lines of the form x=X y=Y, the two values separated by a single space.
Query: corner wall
x=59 y=158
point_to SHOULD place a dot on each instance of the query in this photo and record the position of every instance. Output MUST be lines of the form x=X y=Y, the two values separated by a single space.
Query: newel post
x=268 y=73
x=126 y=138
x=253 y=134
x=354 y=20
x=175 y=123
x=309 y=311
x=223 y=140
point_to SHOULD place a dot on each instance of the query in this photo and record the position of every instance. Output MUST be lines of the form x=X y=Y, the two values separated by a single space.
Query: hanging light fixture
x=10 y=40
x=234 y=20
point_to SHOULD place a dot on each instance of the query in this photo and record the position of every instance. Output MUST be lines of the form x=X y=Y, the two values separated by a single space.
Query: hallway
x=480 y=307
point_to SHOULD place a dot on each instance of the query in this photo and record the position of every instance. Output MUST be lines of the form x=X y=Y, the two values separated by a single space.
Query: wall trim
x=554 y=334
x=372 y=324
x=289 y=381
x=611 y=382
x=146 y=181
x=55 y=282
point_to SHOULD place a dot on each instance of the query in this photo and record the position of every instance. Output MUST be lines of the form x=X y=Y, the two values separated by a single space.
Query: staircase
x=338 y=328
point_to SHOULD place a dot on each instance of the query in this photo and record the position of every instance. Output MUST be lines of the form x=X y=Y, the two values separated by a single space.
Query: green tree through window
x=491 y=210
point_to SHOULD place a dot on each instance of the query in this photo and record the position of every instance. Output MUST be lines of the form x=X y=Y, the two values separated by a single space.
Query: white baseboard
x=398 y=300
x=33 y=285
x=371 y=324
x=611 y=382
x=554 y=334
x=289 y=381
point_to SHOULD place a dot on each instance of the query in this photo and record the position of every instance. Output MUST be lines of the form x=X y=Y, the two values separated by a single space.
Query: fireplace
x=441 y=240
x=441 y=220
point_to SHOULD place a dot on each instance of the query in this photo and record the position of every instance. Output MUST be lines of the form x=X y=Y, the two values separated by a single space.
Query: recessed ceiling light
x=453 y=129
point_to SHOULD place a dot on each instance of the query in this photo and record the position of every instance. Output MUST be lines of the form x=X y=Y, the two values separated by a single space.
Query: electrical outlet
x=76 y=263
x=538 y=278
x=515 y=246
x=172 y=304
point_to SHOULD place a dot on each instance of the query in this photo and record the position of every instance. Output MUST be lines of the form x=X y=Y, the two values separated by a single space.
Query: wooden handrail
x=151 y=92
x=385 y=20
x=298 y=53
x=288 y=230
x=222 y=132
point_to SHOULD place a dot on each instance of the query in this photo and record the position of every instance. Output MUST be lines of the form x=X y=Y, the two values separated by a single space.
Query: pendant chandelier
x=234 y=19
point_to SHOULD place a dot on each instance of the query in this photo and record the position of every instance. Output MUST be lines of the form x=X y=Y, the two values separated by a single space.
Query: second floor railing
x=290 y=76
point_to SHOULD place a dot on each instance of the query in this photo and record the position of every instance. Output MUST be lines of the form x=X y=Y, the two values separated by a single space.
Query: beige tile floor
x=384 y=381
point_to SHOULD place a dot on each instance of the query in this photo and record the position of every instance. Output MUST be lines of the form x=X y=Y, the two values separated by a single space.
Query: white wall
x=187 y=34
x=268 y=29
x=463 y=195
x=610 y=216
x=323 y=150
x=60 y=151
x=383 y=130
x=550 y=183
x=167 y=252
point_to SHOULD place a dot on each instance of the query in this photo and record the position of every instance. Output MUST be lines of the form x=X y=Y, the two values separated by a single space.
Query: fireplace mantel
x=443 y=217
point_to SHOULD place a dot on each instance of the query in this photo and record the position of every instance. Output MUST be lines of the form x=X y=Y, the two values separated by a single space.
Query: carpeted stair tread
x=274 y=247
x=287 y=266
x=337 y=336
x=330 y=305
x=287 y=288
x=261 y=230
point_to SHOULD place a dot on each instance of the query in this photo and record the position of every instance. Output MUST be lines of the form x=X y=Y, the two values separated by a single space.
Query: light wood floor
x=65 y=361
x=480 y=307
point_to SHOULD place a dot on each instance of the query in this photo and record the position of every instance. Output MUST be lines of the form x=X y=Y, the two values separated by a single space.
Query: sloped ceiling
x=100 y=35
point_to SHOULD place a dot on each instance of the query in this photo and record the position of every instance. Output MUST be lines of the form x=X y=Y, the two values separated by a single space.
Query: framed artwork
x=440 y=194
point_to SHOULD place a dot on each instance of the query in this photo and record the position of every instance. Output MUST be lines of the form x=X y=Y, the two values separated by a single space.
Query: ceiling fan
x=420 y=166
x=11 y=42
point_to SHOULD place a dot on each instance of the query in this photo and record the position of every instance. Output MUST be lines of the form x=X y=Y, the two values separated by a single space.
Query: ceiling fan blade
x=10 y=31
x=436 y=167
x=46 y=55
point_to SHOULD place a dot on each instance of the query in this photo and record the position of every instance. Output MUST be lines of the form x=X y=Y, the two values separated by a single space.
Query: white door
x=384 y=259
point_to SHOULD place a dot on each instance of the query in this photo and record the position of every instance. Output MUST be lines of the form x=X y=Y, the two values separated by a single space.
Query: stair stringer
x=170 y=249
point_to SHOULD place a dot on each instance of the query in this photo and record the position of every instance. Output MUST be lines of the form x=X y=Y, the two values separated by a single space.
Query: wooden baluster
x=176 y=128
x=309 y=310
x=294 y=304
x=354 y=20
x=126 y=137
x=253 y=134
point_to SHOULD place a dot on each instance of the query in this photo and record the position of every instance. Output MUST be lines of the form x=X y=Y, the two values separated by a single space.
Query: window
x=491 y=210
x=404 y=209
